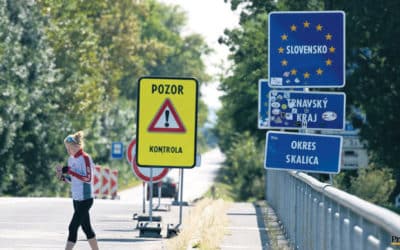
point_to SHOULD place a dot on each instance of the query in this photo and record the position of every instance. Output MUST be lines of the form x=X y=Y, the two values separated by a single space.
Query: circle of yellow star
x=293 y=27
x=281 y=50
x=319 y=71
x=284 y=106
x=319 y=27
x=284 y=37
x=284 y=62
x=332 y=49
x=306 y=24
x=293 y=72
x=328 y=36
x=328 y=62
x=306 y=75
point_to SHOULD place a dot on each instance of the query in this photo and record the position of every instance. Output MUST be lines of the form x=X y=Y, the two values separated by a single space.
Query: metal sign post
x=159 y=195
x=151 y=196
x=144 y=197
x=180 y=196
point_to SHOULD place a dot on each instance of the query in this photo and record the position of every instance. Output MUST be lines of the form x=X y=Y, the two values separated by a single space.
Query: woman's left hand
x=59 y=173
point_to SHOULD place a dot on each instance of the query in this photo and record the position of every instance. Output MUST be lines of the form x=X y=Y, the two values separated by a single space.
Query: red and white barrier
x=97 y=181
x=105 y=183
x=114 y=183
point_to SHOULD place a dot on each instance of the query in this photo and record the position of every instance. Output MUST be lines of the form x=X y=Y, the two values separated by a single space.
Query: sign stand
x=171 y=229
x=151 y=196
x=144 y=197
x=180 y=197
x=150 y=227
x=159 y=195
x=166 y=128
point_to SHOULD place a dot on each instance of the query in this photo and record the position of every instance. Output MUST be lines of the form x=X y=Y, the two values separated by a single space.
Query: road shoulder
x=246 y=229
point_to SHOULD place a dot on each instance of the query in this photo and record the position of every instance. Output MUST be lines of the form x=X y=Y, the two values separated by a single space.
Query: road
x=42 y=223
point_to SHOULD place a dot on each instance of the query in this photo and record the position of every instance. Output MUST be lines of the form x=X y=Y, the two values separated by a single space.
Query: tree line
x=73 y=65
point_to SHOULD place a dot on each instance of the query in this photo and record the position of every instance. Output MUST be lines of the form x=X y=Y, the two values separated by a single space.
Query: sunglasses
x=70 y=139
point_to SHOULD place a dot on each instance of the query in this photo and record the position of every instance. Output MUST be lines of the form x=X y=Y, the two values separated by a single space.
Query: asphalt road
x=42 y=223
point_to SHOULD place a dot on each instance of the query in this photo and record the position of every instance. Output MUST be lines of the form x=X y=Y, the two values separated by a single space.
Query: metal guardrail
x=316 y=215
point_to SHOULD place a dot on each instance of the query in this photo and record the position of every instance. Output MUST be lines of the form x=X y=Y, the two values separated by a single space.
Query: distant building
x=354 y=153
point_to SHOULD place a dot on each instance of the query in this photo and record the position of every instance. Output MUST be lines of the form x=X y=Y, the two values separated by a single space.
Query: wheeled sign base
x=150 y=229
x=172 y=230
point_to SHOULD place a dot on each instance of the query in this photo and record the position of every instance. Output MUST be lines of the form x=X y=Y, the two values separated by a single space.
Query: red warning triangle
x=96 y=179
x=113 y=183
x=105 y=181
x=167 y=120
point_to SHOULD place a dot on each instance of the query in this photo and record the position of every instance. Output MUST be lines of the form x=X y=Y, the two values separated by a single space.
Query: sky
x=209 y=18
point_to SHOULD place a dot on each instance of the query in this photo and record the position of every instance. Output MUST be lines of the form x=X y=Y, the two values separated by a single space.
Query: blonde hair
x=75 y=139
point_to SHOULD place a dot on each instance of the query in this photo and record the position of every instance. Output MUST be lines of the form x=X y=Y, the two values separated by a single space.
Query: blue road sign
x=302 y=110
x=303 y=152
x=306 y=49
x=117 y=150
x=263 y=103
x=263 y=96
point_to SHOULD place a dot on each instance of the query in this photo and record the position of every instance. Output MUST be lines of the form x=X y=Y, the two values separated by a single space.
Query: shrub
x=373 y=184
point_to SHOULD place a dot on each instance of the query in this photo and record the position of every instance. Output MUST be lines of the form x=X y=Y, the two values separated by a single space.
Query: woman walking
x=79 y=174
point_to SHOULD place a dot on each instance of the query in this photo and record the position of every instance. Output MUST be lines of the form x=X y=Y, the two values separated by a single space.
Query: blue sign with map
x=306 y=49
x=303 y=152
x=263 y=103
x=307 y=110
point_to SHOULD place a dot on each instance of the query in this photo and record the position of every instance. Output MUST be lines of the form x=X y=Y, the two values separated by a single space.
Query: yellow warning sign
x=166 y=122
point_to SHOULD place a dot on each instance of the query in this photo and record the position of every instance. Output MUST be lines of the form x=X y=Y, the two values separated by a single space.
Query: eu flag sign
x=306 y=49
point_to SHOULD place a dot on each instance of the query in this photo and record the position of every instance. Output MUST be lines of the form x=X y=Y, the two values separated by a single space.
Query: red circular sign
x=143 y=173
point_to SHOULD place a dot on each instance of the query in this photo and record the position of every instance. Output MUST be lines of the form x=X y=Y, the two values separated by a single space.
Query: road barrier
x=316 y=215
x=97 y=181
x=105 y=183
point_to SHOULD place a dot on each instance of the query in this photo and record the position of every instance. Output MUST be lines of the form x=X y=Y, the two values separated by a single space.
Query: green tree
x=242 y=170
x=373 y=72
x=86 y=88
x=236 y=126
x=29 y=103
x=241 y=91
x=374 y=185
